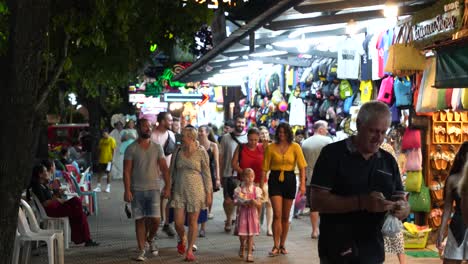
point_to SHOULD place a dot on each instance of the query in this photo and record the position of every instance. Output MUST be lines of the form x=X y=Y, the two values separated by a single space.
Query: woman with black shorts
x=281 y=157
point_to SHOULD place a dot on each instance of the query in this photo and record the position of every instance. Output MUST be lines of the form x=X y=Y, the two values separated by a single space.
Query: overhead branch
x=58 y=69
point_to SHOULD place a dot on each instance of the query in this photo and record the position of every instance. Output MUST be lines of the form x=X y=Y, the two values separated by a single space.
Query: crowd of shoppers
x=349 y=186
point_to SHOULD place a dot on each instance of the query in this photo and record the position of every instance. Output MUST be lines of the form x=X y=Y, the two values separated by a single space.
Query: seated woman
x=58 y=207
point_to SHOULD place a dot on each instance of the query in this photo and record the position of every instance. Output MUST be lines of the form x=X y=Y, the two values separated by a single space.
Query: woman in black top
x=55 y=206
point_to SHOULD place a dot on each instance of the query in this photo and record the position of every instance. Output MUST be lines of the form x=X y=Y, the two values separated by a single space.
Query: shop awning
x=452 y=65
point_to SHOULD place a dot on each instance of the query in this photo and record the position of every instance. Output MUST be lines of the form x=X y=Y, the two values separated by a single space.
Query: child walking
x=248 y=199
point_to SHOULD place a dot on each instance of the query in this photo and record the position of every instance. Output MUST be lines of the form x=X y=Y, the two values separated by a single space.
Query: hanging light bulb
x=391 y=9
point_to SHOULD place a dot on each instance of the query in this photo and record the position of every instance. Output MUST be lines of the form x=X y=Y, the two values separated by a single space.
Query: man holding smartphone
x=352 y=187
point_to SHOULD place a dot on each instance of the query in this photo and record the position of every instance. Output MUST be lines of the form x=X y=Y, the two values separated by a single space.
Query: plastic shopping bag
x=392 y=226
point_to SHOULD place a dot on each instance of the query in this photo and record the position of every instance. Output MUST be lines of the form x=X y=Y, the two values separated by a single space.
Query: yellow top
x=106 y=149
x=274 y=160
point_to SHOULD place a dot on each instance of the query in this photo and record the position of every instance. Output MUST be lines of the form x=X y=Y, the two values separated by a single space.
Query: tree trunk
x=19 y=78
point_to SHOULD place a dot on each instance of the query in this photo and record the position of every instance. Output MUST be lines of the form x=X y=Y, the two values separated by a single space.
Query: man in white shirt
x=161 y=135
x=311 y=148
x=228 y=145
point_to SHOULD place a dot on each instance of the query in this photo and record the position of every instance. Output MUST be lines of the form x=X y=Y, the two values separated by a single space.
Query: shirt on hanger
x=349 y=58
x=297 y=115
x=366 y=59
x=366 y=91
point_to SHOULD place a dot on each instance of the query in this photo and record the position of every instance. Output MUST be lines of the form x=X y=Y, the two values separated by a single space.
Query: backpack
x=402 y=87
x=345 y=89
x=323 y=69
x=332 y=71
x=324 y=108
x=327 y=89
x=386 y=90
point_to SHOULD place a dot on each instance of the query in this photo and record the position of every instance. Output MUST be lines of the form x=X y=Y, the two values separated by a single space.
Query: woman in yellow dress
x=281 y=157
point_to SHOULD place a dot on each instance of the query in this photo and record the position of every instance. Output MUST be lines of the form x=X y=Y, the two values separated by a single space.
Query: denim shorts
x=146 y=204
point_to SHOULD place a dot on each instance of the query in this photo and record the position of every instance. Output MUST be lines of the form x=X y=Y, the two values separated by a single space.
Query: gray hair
x=373 y=110
x=319 y=124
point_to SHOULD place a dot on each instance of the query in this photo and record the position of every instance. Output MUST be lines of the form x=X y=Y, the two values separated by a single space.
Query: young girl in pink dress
x=248 y=199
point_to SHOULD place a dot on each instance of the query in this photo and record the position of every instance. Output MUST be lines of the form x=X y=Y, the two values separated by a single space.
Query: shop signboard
x=437 y=22
x=200 y=98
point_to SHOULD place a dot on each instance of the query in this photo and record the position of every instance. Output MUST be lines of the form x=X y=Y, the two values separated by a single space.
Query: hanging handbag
x=402 y=89
x=404 y=58
x=413 y=181
x=427 y=96
x=414 y=160
x=420 y=201
x=411 y=139
x=386 y=90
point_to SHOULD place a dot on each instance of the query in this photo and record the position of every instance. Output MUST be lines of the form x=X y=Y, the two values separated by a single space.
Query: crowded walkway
x=116 y=235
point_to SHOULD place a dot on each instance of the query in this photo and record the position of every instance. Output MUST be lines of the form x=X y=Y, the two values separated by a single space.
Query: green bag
x=413 y=181
x=421 y=201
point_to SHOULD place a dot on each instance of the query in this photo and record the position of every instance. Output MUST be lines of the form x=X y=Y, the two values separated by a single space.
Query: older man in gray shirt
x=143 y=163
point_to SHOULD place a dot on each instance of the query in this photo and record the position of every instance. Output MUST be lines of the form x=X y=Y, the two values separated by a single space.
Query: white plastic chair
x=50 y=237
x=61 y=223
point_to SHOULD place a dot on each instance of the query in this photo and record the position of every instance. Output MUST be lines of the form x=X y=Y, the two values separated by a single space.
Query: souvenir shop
x=418 y=67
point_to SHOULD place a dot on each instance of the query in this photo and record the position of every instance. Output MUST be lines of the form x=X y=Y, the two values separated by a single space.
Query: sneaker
x=210 y=216
x=168 y=230
x=91 y=243
x=154 y=249
x=141 y=256
x=98 y=188
x=107 y=188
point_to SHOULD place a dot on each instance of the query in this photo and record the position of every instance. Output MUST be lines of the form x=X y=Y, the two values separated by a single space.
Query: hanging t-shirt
x=349 y=58
x=385 y=42
x=297 y=116
x=366 y=91
x=366 y=60
x=380 y=54
x=374 y=54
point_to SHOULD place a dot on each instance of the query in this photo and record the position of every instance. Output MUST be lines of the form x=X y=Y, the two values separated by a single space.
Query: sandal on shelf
x=443 y=116
x=449 y=116
x=242 y=251
x=274 y=252
x=283 y=250
x=249 y=258
x=457 y=116
x=464 y=116
x=436 y=116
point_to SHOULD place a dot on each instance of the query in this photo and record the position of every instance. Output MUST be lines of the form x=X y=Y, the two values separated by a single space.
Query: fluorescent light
x=269 y=53
x=313 y=29
x=245 y=57
x=233 y=58
x=78 y=107
x=246 y=63
x=238 y=69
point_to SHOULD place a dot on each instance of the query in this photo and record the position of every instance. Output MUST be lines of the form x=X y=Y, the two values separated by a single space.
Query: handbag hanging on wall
x=413 y=181
x=420 y=201
x=411 y=139
x=414 y=160
x=403 y=57
x=403 y=94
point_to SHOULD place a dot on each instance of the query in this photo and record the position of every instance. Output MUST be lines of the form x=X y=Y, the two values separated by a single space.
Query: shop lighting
x=390 y=10
x=245 y=57
x=269 y=53
x=237 y=70
x=233 y=58
x=313 y=29
x=78 y=107
x=246 y=63
x=303 y=45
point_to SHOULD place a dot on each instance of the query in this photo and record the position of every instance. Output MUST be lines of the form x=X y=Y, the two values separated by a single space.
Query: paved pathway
x=118 y=244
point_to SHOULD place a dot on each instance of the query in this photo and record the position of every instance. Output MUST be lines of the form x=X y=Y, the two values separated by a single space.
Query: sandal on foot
x=274 y=252
x=249 y=258
x=283 y=250
x=242 y=251
x=227 y=227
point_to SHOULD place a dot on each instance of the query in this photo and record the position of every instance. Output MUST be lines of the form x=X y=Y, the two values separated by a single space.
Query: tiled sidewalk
x=116 y=234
